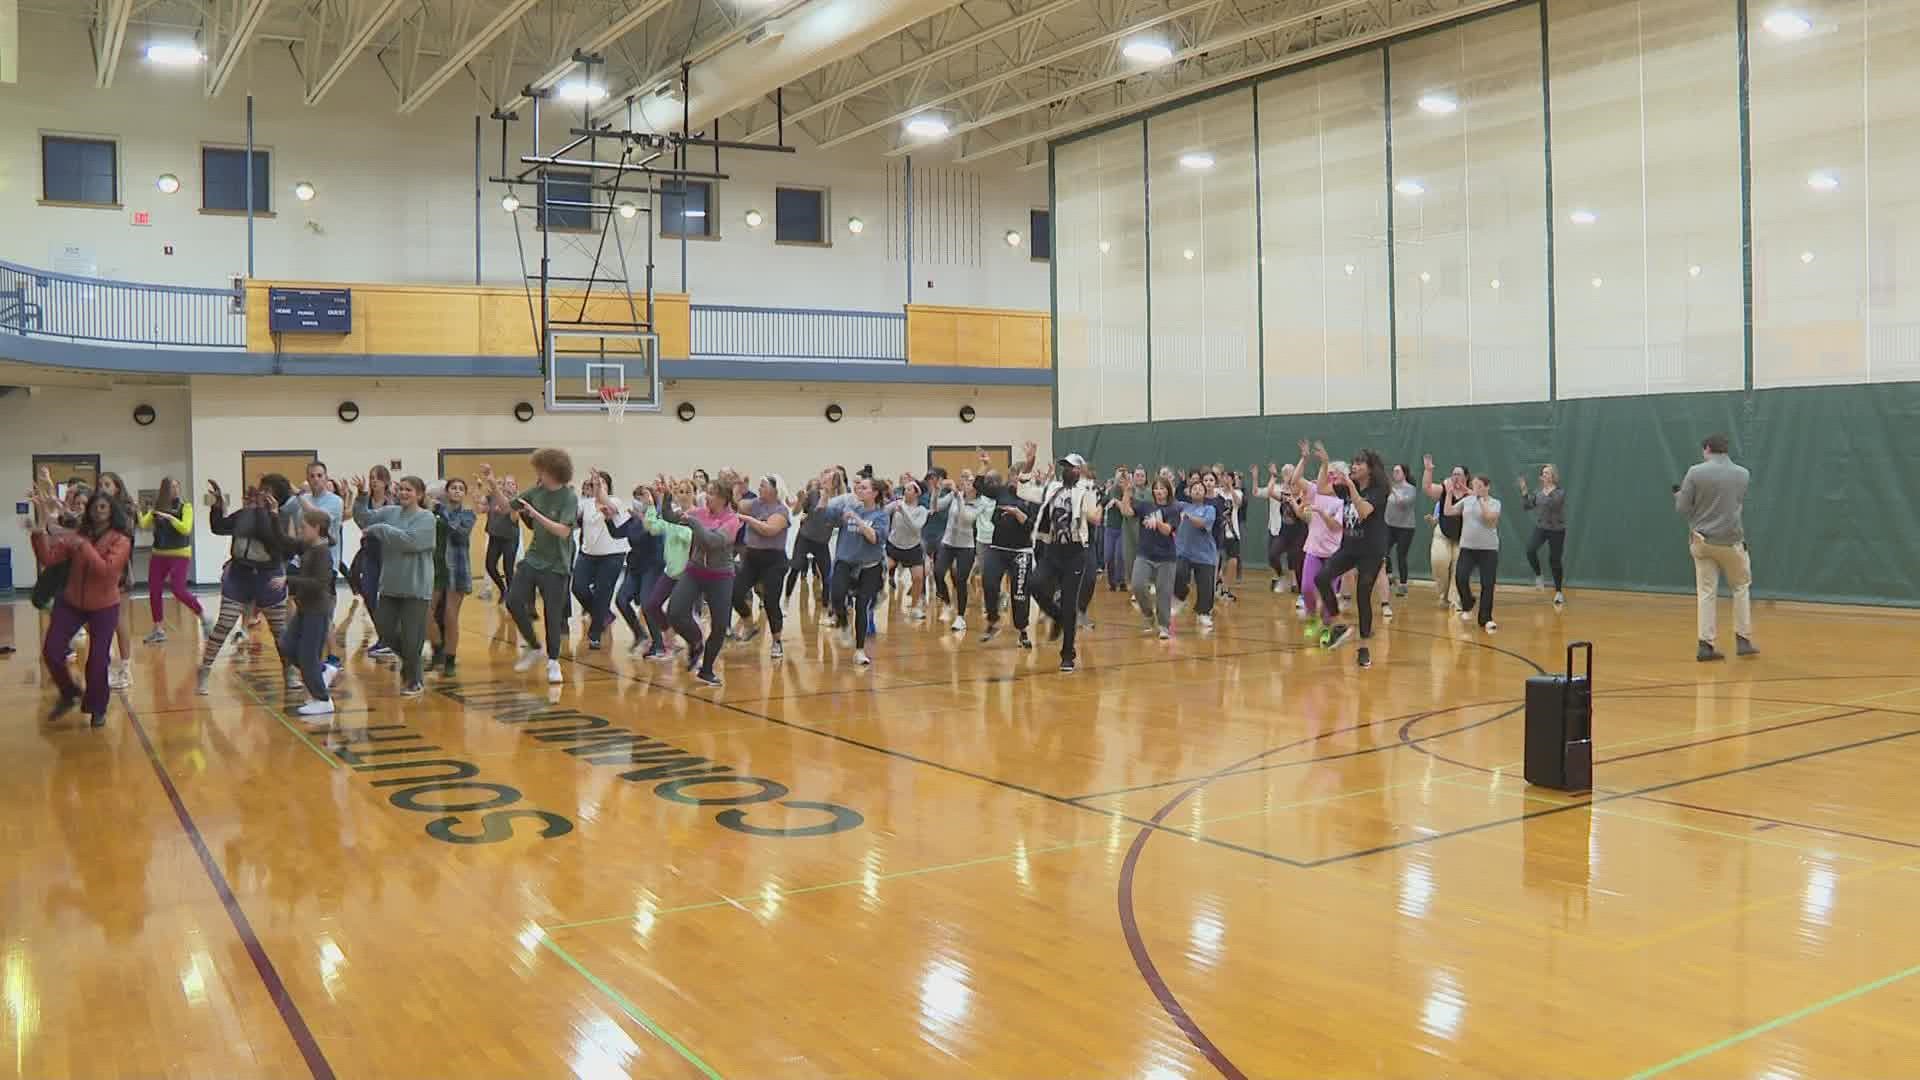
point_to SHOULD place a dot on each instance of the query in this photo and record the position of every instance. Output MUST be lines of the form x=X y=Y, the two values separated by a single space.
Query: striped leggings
x=230 y=612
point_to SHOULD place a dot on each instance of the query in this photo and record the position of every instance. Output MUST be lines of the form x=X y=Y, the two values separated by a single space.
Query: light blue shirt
x=1193 y=540
x=330 y=504
x=853 y=548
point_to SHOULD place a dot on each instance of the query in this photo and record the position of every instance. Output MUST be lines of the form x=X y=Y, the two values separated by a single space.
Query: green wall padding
x=1833 y=513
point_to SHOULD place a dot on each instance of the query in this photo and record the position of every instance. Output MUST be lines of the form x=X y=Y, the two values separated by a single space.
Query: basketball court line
x=633 y=1011
x=296 y=1024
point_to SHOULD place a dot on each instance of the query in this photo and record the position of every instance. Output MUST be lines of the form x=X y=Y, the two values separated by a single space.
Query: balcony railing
x=724 y=332
x=41 y=303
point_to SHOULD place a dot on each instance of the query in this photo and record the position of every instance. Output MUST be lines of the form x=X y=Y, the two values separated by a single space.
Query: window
x=565 y=188
x=1040 y=234
x=800 y=216
x=81 y=171
x=223 y=178
x=686 y=208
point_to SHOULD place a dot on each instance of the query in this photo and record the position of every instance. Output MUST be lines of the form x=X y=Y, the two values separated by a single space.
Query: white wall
x=757 y=427
x=55 y=420
x=395 y=198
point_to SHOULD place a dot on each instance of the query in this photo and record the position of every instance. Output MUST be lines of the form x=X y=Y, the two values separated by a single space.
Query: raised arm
x=1427 y=485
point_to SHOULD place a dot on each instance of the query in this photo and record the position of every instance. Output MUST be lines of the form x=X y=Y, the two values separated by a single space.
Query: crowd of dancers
x=692 y=563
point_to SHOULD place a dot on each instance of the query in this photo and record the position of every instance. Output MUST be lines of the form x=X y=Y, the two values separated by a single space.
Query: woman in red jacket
x=97 y=553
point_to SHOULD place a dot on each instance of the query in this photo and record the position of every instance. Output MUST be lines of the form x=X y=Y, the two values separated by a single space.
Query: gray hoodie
x=406 y=547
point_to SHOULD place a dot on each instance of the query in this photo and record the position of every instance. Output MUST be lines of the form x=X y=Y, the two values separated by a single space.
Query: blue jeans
x=306 y=643
x=1114 y=558
x=595 y=578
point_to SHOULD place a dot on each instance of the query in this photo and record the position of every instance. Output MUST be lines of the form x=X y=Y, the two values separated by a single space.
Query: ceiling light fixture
x=1147 y=52
x=1410 y=187
x=926 y=127
x=1694 y=270
x=1494 y=284
x=1437 y=104
x=1425 y=277
x=582 y=92
x=1105 y=246
x=1806 y=256
x=175 y=55
x=1583 y=217
x=693 y=213
x=1823 y=181
x=1197 y=161
x=1597 y=283
x=1349 y=269
x=509 y=202
x=1187 y=254
x=1787 y=24
x=627 y=210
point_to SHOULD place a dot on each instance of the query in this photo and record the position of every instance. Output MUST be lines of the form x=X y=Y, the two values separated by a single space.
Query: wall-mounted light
x=348 y=412
x=167 y=183
x=1597 y=282
x=967 y=414
x=755 y=219
x=626 y=210
x=1437 y=104
x=1694 y=270
x=1196 y=161
x=1806 y=257
x=834 y=413
x=1105 y=247
x=856 y=226
x=1583 y=217
x=1823 y=181
x=1013 y=238
x=303 y=191
x=685 y=412
x=509 y=202
x=523 y=411
x=144 y=415
x=1425 y=277
x=1349 y=268
x=1410 y=187
x=1188 y=254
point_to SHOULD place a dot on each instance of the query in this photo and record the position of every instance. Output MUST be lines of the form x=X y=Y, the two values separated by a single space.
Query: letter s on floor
x=497 y=825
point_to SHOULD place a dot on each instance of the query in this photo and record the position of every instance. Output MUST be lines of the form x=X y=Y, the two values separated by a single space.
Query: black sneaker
x=1743 y=647
x=1025 y=641
x=1707 y=653
x=1366 y=657
x=63 y=706
x=593 y=642
x=98 y=720
x=992 y=630
x=707 y=678
x=1338 y=636
x=1066 y=667
x=446 y=668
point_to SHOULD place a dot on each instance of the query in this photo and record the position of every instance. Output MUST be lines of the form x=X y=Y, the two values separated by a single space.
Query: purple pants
x=168 y=573
x=1309 y=592
x=67 y=621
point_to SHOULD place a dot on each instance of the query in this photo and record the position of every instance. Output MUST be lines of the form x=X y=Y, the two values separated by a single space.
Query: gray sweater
x=1549 y=508
x=1713 y=497
x=406 y=547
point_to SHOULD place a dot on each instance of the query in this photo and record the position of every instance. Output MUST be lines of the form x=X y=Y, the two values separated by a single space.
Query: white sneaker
x=1559 y=599
x=1300 y=605
x=120 y=675
x=528 y=658
x=1466 y=616
x=861 y=658
x=316 y=708
x=553 y=673
x=1205 y=621
x=329 y=675
x=294 y=682
x=1492 y=627
x=959 y=624
x=1386 y=611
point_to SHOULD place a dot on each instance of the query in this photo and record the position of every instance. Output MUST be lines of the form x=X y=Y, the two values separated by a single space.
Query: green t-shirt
x=553 y=554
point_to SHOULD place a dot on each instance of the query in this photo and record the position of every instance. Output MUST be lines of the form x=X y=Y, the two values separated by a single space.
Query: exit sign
x=143 y=217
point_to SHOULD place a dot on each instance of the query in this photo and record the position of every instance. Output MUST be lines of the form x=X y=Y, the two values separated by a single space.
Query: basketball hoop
x=615 y=399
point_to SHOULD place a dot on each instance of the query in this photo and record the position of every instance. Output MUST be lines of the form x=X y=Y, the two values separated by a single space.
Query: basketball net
x=615 y=399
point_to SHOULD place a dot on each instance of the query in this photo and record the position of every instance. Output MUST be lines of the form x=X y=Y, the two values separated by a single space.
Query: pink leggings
x=168 y=573
x=1309 y=583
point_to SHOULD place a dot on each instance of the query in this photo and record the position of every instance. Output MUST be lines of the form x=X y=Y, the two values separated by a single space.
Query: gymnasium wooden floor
x=1231 y=856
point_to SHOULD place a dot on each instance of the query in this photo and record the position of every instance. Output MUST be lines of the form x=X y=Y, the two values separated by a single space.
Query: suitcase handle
x=1588 y=646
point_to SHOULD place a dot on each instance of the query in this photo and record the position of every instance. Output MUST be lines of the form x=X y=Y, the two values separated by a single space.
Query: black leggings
x=998 y=564
x=810 y=551
x=500 y=555
x=1556 y=541
x=1487 y=565
x=957 y=562
x=1402 y=541
x=552 y=588
x=1367 y=564
x=762 y=569
x=863 y=583
x=687 y=594
x=1202 y=576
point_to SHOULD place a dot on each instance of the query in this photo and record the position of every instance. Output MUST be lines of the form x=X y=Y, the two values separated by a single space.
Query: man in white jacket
x=1069 y=512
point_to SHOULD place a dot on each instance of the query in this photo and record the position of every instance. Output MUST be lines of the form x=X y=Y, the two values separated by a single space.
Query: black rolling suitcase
x=1560 y=727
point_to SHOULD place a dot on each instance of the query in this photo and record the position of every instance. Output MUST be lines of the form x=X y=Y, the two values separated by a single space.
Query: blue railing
x=724 y=332
x=41 y=303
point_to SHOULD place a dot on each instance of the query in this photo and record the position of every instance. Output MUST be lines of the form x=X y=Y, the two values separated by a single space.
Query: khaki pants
x=1709 y=561
x=1445 y=554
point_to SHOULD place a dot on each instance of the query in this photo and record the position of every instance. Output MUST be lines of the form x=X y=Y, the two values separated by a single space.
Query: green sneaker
x=1326 y=638
x=1313 y=629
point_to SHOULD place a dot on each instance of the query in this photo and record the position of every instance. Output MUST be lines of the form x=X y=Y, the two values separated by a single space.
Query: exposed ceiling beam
x=1028 y=68
x=926 y=61
x=1379 y=34
x=465 y=53
x=599 y=43
x=238 y=37
x=705 y=52
x=359 y=39
x=109 y=36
